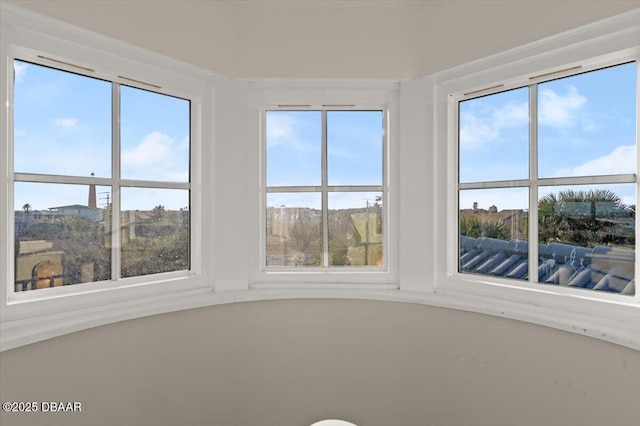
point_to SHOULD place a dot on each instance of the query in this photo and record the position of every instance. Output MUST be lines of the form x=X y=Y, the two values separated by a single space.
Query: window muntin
x=588 y=239
x=338 y=220
x=83 y=229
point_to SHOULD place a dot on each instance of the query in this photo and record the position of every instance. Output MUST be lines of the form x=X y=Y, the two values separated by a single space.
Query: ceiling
x=327 y=39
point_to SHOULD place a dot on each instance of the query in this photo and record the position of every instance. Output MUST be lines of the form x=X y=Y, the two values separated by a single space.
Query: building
x=513 y=219
x=265 y=350
x=40 y=265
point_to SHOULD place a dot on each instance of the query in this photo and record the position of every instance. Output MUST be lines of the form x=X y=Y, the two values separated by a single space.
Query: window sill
x=613 y=322
x=295 y=278
x=615 y=319
x=23 y=331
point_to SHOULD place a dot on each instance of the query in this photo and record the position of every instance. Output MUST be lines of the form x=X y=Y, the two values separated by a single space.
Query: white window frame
x=609 y=316
x=30 y=37
x=327 y=96
x=115 y=182
x=533 y=182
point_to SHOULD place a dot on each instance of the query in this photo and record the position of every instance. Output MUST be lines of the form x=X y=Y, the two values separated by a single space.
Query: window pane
x=587 y=123
x=62 y=235
x=154 y=136
x=494 y=232
x=154 y=231
x=62 y=122
x=587 y=237
x=494 y=137
x=294 y=229
x=355 y=229
x=354 y=147
x=294 y=148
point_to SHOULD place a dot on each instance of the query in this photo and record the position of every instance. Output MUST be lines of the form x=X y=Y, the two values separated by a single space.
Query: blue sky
x=62 y=125
x=294 y=154
x=586 y=126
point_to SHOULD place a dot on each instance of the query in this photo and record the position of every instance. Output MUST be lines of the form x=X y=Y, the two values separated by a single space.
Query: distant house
x=92 y=213
x=514 y=219
x=37 y=216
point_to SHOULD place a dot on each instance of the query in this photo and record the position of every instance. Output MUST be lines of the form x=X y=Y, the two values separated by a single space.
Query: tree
x=305 y=236
x=161 y=243
x=27 y=213
x=342 y=235
x=80 y=240
x=585 y=218
x=474 y=226
x=158 y=212
x=167 y=253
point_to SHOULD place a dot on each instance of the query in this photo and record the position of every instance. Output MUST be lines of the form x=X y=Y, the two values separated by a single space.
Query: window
x=101 y=179
x=547 y=179
x=324 y=188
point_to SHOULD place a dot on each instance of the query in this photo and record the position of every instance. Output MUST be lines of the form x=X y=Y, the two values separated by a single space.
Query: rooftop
x=600 y=268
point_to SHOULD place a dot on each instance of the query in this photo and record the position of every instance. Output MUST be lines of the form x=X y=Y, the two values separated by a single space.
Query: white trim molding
x=325 y=95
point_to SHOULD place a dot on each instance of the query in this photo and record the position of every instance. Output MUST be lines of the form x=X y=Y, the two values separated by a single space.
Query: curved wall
x=294 y=362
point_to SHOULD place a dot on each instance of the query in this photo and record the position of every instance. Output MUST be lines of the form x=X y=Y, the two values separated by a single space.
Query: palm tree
x=475 y=227
x=27 y=214
x=585 y=217
x=158 y=212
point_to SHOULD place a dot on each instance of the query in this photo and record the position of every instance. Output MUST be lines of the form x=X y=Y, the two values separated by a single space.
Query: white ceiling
x=327 y=39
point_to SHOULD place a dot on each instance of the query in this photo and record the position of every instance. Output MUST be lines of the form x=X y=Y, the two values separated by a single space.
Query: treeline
x=582 y=218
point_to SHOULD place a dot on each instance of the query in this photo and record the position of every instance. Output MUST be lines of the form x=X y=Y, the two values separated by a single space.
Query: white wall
x=234 y=218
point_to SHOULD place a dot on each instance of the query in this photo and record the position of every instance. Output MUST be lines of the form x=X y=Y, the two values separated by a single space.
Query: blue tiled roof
x=599 y=268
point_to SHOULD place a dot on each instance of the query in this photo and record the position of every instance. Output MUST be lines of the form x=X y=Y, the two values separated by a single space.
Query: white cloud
x=64 y=122
x=621 y=160
x=474 y=132
x=157 y=157
x=479 y=129
x=560 y=110
x=184 y=144
x=155 y=147
x=293 y=132
x=279 y=129
x=511 y=115
x=20 y=69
